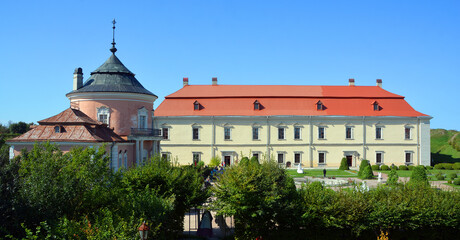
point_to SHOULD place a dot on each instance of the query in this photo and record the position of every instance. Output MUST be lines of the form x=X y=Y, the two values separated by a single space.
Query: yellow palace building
x=315 y=126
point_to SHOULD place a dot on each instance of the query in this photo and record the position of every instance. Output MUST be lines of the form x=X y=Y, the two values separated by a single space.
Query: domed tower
x=112 y=95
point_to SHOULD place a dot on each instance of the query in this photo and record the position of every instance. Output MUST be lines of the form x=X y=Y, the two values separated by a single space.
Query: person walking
x=324 y=172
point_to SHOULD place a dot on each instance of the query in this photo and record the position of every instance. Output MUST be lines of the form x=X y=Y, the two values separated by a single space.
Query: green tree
x=392 y=178
x=262 y=199
x=365 y=173
x=20 y=127
x=419 y=176
x=344 y=164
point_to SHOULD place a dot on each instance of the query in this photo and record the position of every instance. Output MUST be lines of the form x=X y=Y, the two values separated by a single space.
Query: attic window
x=319 y=106
x=256 y=105
x=376 y=106
x=58 y=129
x=196 y=105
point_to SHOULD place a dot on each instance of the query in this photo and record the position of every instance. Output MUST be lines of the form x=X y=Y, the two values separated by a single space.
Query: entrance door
x=349 y=160
x=227 y=160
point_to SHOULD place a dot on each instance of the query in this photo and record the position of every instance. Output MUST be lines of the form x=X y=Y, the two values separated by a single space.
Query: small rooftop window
x=256 y=105
x=196 y=105
x=376 y=106
x=319 y=106
x=58 y=129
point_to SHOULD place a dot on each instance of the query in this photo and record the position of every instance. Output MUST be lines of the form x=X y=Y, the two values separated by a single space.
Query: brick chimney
x=351 y=82
x=185 y=81
x=77 y=78
x=214 y=81
x=379 y=82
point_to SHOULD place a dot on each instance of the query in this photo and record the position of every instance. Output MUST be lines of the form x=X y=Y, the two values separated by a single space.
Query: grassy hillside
x=445 y=145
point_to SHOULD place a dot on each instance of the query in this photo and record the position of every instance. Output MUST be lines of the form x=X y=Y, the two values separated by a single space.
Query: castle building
x=111 y=108
x=315 y=126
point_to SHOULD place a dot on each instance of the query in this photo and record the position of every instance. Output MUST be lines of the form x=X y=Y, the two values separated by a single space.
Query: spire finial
x=113 y=49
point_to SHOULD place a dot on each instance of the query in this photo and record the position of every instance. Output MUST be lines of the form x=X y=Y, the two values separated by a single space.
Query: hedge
x=403 y=167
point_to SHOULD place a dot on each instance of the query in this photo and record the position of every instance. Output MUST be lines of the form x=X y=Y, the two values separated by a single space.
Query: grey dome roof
x=113 y=76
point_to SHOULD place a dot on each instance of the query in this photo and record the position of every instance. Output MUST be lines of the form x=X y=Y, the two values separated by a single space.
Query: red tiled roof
x=76 y=127
x=237 y=100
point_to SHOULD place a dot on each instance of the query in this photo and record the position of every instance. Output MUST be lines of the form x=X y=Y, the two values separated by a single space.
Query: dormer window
x=103 y=115
x=376 y=106
x=196 y=105
x=319 y=106
x=256 y=105
x=57 y=129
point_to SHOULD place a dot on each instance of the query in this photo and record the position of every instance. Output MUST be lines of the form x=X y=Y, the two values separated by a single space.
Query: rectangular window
x=297 y=158
x=280 y=157
x=378 y=133
x=296 y=133
x=321 y=158
x=348 y=133
x=256 y=155
x=255 y=133
x=280 y=133
x=196 y=135
x=196 y=158
x=142 y=121
x=103 y=118
x=227 y=133
x=165 y=133
x=378 y=157
x=407 y=133
x=321 y=132
x=408 y=157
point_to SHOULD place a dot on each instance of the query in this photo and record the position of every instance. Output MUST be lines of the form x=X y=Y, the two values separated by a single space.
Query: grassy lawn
x=408 y=173
x=319 y=173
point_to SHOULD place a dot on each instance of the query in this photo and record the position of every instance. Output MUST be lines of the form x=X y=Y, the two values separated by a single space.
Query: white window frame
x=408 y=127
x=411 y=157
x=103 y=110
x=168 y=155
x=300 y=157
x=167 y=130
x=351 y=132
x=198 y=158
x=381 y=132
x=284 y=132
x=300 y=133
x=381 y=157
x=258 y=133
x=324 y=158
x=227 y=129
x=324 y=132
x=283 y=154
x=142 y=112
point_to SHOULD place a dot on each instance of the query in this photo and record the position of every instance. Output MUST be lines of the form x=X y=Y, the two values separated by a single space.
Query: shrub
x=419 y=176
x=244 y=161
x=392 y=178
x=403 y=167
x=457 y=181
x=440 y=177
x=375 y=167
x=449 y=182
x=411 y=167
x=438 y=166
x=456 y=166
x=367 y=173
x=452 y=176
x=429 y=167
x=200 y=165
x=344 y=164
x=394 y=167
x=384 y=167
x=215 y=161
x=447 y=166
x=254 y=160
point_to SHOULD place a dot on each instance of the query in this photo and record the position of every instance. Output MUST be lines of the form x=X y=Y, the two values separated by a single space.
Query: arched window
x=142 y=116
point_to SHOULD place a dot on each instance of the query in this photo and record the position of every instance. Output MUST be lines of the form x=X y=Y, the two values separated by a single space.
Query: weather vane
x=113 y=49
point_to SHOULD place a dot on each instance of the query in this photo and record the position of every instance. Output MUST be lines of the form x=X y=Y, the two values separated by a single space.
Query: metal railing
x=146 y=132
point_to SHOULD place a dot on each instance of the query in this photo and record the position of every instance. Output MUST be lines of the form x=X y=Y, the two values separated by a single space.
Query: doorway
x=349 y=160
x=227 y=160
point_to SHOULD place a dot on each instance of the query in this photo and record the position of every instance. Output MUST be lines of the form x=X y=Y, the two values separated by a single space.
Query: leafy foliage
x=419 y=176
x=261 y=197
x=344 y=164
x=365 y=170
x=215 y=161
x=393 y=177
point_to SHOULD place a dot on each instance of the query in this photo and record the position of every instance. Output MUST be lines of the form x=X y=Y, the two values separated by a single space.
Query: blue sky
x=412 y=45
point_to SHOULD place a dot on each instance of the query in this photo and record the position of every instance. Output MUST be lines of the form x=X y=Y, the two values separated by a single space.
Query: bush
x=261 y=198
x=440 y=177
x=254 y=160
x=375 y=167
x=452 y=176
x=363 y=173
x=215 y=161
x=411 y=167
x=200 y=165
x=384 y=167
x=392 y=178
x=438 y=166
x=244 y=161
x=403 y=167
x=429 y=167
x=344 y=164
x=456 y=166
x=394 y=167
x=447 y=166
x=457 y=181
x=419 y=176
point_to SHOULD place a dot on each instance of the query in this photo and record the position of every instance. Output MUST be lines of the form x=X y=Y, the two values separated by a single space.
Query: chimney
x=185 y=81
x=214 y=81
x=379 y=82
x=77 y=78
x=351 y=82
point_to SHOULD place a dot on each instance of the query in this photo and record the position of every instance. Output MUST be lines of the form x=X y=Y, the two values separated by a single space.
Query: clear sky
x=414 y=46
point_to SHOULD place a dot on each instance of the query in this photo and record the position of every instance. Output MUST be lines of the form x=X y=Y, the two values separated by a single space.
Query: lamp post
x=143 y=231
